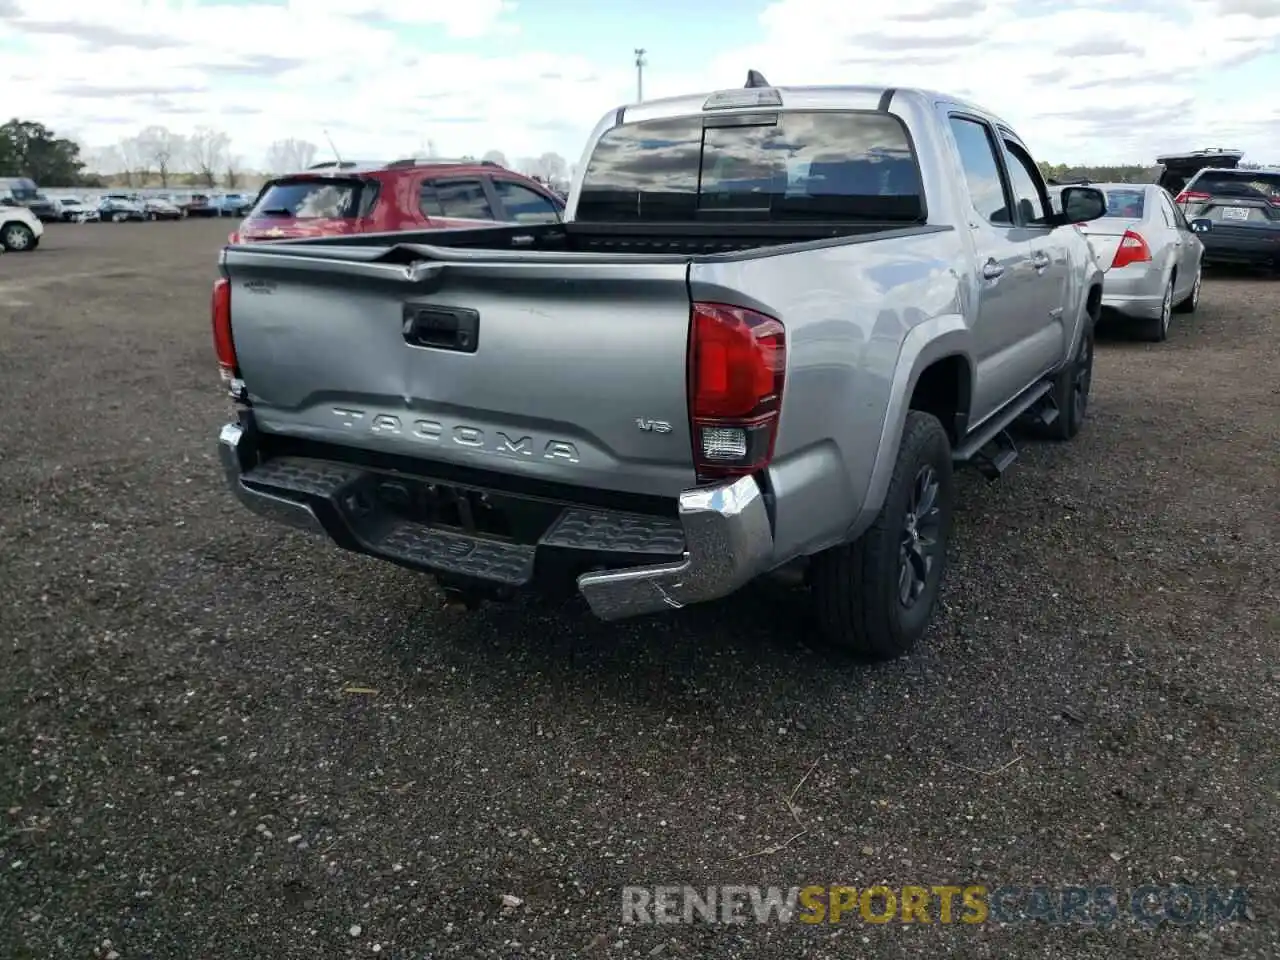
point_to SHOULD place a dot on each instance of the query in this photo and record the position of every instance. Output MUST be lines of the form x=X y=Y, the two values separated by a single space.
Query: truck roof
x=850 y=97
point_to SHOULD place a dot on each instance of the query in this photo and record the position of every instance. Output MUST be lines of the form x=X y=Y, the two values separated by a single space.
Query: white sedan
x=1150 y=255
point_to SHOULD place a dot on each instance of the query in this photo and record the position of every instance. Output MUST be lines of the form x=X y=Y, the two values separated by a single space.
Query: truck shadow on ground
x=761 y=644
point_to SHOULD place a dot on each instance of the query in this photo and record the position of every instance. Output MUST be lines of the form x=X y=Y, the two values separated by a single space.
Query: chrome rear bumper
x=728 y=541
x=727 y=538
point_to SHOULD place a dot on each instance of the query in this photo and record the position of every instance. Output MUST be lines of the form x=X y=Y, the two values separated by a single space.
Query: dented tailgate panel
x=562 y=372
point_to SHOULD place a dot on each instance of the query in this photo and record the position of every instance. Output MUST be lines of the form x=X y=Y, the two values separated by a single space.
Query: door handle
x=441 y=328
x=991 y=270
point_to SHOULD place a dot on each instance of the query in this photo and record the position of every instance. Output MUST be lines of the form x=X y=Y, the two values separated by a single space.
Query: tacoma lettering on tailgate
x=497 y=442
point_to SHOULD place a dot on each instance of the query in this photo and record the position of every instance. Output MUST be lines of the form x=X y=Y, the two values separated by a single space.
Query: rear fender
x=925 y=344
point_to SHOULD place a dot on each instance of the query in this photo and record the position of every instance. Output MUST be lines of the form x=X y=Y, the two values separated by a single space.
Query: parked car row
x=119 y=207
x=1156 y=238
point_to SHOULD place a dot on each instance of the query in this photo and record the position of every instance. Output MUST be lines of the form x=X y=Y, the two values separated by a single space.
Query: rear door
x=456 y=201
x=1007 y=280
x=1049 y=289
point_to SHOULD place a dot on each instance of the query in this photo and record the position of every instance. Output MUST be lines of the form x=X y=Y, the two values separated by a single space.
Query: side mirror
x=1201 y=225
x=1081 y=204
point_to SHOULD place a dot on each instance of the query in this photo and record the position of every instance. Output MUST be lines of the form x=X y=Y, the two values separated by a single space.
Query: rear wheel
x=875 y=597
x=1157 y=329
x=1071 y=389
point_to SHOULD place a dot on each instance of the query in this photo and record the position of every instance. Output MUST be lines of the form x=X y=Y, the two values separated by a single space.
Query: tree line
x=1117 y=173
x=157 y=155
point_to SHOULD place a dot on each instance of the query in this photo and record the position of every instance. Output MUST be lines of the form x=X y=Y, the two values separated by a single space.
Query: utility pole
x=640 y=65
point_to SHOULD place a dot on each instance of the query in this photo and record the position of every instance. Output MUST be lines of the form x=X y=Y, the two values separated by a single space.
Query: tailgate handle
x=442 y=328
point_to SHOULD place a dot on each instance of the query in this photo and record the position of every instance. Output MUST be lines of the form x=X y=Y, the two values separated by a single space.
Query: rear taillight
x=233 y=238
x=1192 y=196
x=223 y=343
x=737 y=362
x=1132 y=249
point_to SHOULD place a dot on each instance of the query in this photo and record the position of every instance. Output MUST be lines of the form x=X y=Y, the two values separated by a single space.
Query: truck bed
x=673 y=241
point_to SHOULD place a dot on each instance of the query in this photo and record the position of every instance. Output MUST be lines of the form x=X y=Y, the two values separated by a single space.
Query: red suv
x=332 y=199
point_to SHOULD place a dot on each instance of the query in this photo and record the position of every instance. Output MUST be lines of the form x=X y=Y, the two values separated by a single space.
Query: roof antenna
x=756 y=79
x=333 y=148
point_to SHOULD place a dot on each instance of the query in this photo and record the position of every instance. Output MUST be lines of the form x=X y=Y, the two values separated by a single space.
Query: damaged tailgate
x=541 y=365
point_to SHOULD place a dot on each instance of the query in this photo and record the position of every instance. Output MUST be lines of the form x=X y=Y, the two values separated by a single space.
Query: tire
x=17 y=238
x=1071 y=388
x=1157 y=329
x=1192 y=300
x=869 y=596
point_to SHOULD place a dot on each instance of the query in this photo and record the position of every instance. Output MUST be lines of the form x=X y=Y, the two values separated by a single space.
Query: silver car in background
x=1151 y=257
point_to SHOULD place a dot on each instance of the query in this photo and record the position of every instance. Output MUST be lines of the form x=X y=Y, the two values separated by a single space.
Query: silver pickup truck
x=772 y=321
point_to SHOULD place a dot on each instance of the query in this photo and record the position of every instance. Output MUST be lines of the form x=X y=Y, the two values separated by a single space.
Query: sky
x=1082 y=81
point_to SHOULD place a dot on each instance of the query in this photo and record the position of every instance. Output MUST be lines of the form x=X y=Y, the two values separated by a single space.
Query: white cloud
x=1091 y=81
x=1136 y=77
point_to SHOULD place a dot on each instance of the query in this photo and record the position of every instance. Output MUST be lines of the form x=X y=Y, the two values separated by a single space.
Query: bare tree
x=207 y=150
x=163 y=148
x=134 y=162
x=105 y=160
x=235 y=163
x=495 y=156
x=288 y=156
x=552 y=166
x=548 y=167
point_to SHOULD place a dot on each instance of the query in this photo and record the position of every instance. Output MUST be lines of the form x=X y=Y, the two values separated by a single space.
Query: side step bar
x=990 y=448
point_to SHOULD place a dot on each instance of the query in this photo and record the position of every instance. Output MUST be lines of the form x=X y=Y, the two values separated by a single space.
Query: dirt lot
x=184 y=775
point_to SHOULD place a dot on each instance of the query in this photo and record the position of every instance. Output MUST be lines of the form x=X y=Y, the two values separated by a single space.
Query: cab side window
x=981 y=170
x=1028 y=187
x=463 y=199
x=523 y=205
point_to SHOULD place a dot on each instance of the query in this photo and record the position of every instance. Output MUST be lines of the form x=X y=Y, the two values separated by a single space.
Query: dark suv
x=334 y=199
x=1177 y=168
x=1236 y=214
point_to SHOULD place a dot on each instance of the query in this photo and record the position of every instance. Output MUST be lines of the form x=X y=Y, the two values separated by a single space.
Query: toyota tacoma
x=772 y=322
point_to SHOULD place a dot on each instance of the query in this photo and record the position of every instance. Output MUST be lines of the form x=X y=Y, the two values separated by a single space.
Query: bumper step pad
x=509 y=564
x=607 y=532
x=312 y=478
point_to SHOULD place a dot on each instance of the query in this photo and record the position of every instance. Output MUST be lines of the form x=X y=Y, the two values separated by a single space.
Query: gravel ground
x=186 y=771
